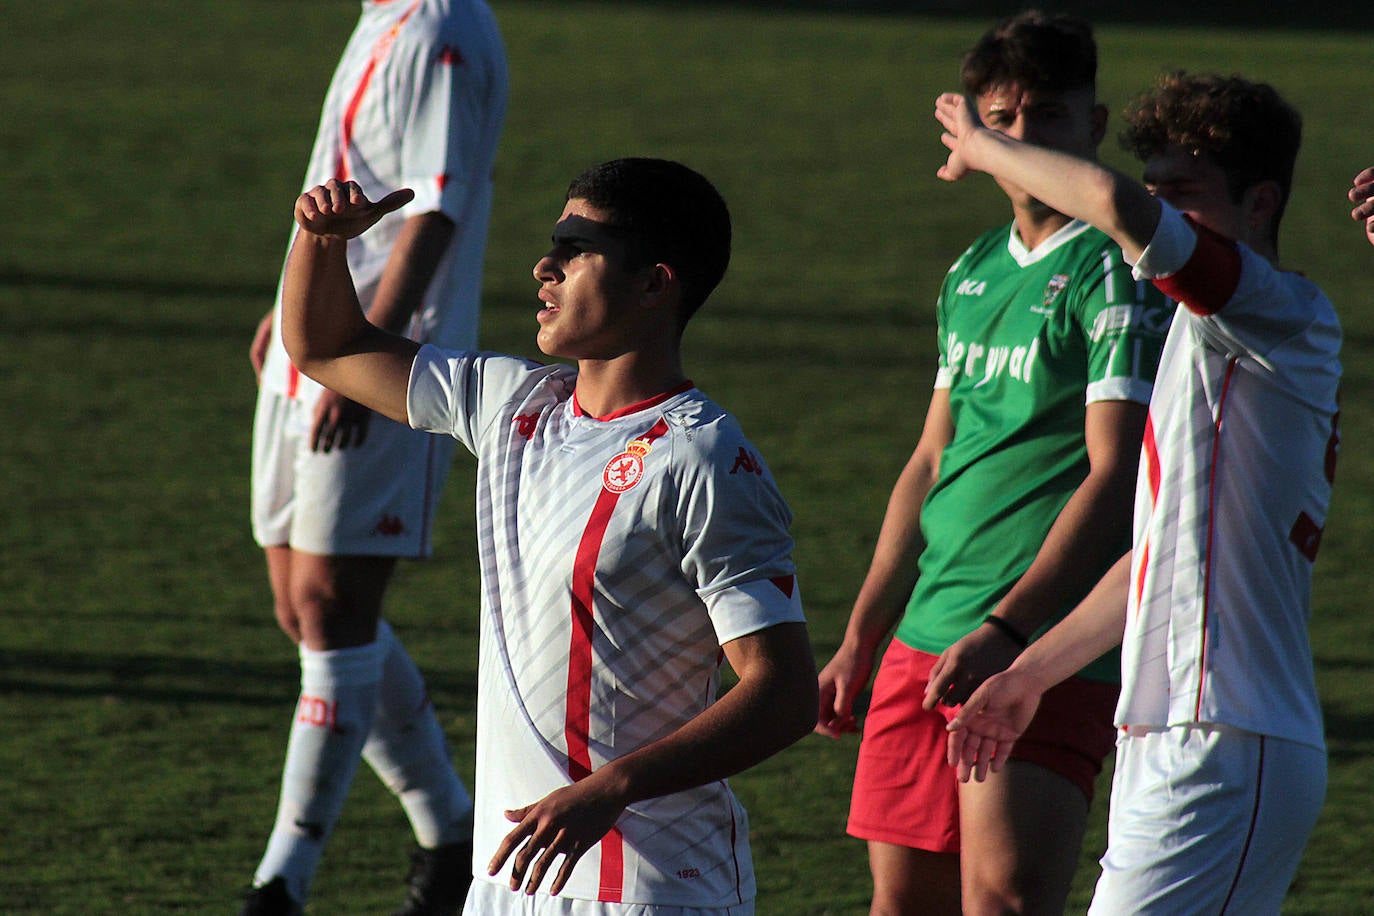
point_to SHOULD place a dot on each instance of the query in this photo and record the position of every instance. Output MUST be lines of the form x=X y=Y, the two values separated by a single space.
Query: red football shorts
x=906 y=793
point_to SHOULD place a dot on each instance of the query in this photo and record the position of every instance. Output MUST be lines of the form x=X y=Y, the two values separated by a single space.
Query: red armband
x=1209 y=279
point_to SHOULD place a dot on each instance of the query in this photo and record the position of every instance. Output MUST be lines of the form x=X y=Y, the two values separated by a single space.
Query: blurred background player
x=418 y=98
x=1014 y=502
x=630 y=539
x=1221 y=759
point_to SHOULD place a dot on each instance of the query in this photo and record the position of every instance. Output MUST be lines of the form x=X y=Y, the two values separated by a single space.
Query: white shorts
x=377 y=499
x=486 y=898
x=1207 y=819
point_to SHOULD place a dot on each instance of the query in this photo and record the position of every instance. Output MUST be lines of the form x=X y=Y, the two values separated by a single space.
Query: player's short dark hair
x=1246 y=128
x=1035 y=51
x=670 y=215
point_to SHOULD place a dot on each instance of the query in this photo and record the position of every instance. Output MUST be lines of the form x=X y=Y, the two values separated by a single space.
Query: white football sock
x=408 y=750
x=333 y=716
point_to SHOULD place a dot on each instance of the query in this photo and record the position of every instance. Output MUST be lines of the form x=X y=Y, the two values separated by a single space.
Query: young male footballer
x=1014 y=502
x=340 y=495
x=630 y=540
x=1221 y=760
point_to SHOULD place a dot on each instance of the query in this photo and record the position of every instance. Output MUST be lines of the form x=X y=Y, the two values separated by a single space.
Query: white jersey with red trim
x=1235 y=479
x=417 y=100
x=617 y=555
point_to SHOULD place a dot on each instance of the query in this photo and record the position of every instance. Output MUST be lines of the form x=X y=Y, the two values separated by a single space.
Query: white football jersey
x=417 y=101
x=617 y=554
x=1235 y=479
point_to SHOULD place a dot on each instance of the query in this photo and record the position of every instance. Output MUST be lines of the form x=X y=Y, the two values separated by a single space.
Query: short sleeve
x=1125 y=322
x=452 y=119
x=736 y=550
x=1238 y=301
x=458 y=393
x=944 y=378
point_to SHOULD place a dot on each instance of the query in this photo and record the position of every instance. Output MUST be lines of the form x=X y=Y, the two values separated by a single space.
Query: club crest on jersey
x=625 y=470
x=1056 y=286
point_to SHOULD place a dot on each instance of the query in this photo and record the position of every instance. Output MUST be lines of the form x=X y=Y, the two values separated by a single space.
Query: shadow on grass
x=79 y=283
x=182 y=679
x=1234 y=14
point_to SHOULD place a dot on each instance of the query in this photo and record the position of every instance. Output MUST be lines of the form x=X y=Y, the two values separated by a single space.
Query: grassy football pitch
x=152 y=152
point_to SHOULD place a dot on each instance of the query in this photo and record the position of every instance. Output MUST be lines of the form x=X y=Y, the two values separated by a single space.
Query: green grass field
x=151 y=154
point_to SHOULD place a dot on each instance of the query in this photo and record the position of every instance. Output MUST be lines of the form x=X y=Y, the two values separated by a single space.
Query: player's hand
x=340 y=209
x=338 y=423
x=567 y=822
x=968 y=663
x=1362 y=193
x=960 y=121
x=981 y=734
x=257 y=350
x=841 y=681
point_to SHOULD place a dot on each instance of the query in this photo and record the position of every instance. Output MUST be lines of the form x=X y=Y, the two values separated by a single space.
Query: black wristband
x=1007 y=630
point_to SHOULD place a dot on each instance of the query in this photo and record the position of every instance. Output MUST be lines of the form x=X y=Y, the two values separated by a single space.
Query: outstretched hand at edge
x=981 y=735
x=340 y=209
x=1362 y=193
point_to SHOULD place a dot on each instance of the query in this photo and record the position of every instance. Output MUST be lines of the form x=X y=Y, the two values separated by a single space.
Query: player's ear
x=661 y=284
x=1261 y=203
x=1100 y=117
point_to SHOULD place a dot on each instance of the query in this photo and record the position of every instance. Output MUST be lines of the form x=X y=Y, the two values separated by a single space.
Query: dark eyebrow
x=581 y=232
x=576 y=239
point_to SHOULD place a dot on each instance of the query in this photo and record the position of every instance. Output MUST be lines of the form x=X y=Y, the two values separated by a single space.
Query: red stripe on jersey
x=1150 y=446
x=578 y=712
x=293 y=380
x=734 y=855
x=379 y=53
x=579 y=709
x=612 y=886
x=1209 y=279
x=1211 y=532
x=1140 y=573
x=351 y=115
x=1150 y=453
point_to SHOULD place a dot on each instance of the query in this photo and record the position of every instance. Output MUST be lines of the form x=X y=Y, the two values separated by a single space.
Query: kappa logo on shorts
x=624 y=471
x=389 y=526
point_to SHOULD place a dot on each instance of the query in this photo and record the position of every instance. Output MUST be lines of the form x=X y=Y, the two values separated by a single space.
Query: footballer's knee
x=287 y=620
x=1011 y=894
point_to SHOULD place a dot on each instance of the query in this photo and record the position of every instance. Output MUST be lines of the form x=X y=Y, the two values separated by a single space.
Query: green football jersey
x=1026 y=340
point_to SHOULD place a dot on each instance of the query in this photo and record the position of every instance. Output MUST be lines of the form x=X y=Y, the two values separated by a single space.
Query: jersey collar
x=633 y=408
x=1025 y=257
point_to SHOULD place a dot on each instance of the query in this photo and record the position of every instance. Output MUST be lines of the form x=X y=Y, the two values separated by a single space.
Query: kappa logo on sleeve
x=626 y=470
x=746 y=462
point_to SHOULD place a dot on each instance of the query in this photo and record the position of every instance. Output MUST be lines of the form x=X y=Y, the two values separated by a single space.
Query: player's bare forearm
x=1081 y=188
x=981 y=735
x=1085 y=538
x=1089 y=531
x=891 y=577
x=769 y=709
x=323 y=327
x=894 y=569
x=879 y=605
x=410 y=268
x=1094 y=627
